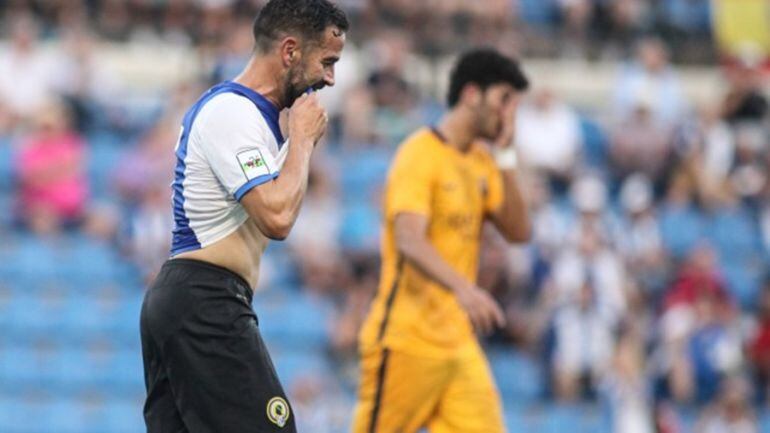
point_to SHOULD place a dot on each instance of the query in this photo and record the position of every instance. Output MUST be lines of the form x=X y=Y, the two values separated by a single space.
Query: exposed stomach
x=240 y=252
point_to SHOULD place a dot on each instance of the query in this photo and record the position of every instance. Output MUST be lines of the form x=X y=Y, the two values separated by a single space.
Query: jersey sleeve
x=234 y=138
x=410 y=181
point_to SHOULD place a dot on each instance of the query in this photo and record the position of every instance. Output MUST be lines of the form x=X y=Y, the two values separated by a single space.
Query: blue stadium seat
x=121 y=416
x=123 y=372
x=681 y=228
x=764 y=420
x=735 y=234
x=20 y=369
x=7 y=172
x=517 y=376
x=362 y=173
x=301 y=321
x=291 y=365
x=360 y=227
x=86 y=317
x=688 y=15
x=744 y=281
x=31 y=316
x=561 y=418
x=538 y=13
x=123 y=324
x=576 y=418
x=18 y=415
x=522 y=418
x=71 y=371
x=595 y=143
x=33 y=260
x=65 y=415
x=104 y=158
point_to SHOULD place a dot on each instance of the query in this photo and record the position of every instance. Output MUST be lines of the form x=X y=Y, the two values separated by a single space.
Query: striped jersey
x=230 y=142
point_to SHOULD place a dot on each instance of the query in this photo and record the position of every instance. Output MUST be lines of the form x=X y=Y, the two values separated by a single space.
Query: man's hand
x=482 y=309
x=508 y=119
x=307 y=119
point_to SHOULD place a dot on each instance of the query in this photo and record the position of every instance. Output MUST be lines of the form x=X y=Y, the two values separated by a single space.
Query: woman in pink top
x=53 y=188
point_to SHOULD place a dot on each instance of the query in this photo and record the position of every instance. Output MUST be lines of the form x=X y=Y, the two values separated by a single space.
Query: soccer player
x=421 y=363
x=238 y=182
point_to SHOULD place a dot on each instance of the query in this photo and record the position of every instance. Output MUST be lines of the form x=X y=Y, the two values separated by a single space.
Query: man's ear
x=471 y=95
x=289 y=48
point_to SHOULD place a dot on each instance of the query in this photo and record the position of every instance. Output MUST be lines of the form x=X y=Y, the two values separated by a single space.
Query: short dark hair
x=308 y=18
x=484 y=67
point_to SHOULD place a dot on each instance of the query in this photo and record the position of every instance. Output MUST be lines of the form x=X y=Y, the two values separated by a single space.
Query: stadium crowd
x=647 y=283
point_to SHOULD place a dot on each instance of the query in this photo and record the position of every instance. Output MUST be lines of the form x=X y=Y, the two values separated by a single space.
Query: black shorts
x=206 y=367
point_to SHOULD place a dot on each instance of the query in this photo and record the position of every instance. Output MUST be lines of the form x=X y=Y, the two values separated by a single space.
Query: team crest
x=484 y=187
x=278 y=411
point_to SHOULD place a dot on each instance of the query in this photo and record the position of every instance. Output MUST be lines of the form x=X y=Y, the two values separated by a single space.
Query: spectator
x=28 y=76
x=652 y=83
x=316 y=405
x=395 y=113
x=588 y=257
x=314 y=242
x=625 y=386
x=639 y=239
x=744 y=101
x=548 y=135
x=84 y=78
x=750 y=175
x=759 y=346
x=149 y=164
x=149 y=231
x=698 y=277
x=234 y=53
x=53 y=189
x=550 y=222
x=708 y=149
x=576 y=15
x=583 y=345
x=715 y=349
x=640 y=144
x=731 y=413
x=355 y=296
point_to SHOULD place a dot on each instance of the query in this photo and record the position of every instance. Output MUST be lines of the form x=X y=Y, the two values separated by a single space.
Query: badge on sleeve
x=278 y=411
x=252 y=163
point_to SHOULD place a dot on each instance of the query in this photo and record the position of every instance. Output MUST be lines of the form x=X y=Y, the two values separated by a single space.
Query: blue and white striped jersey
x=230 y=142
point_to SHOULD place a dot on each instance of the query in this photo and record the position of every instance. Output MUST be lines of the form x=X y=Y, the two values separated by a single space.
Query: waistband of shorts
x=210 y=267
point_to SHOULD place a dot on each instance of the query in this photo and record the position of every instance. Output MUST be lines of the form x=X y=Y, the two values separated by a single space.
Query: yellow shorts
x=403 y=393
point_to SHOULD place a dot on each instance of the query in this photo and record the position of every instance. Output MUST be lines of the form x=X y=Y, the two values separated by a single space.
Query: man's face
x=496 y=103
x=315 y=67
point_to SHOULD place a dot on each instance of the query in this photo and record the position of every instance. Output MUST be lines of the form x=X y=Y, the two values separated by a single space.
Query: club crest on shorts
x=278 y=411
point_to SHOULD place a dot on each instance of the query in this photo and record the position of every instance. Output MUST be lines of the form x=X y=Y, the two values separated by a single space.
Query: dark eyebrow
x=332 y=59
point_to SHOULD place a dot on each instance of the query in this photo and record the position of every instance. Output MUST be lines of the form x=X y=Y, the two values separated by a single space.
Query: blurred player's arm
x=511 y=217
x=274 y=205
x=414 y=246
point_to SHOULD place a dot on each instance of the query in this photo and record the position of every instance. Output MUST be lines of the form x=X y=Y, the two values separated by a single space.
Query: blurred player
x=421 y=364
x=237 y=183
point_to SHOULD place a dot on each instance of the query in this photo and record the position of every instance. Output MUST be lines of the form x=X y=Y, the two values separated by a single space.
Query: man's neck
x=259 y=75
x=456 y=129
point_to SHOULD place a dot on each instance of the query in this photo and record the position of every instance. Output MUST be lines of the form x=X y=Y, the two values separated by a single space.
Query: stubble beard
x=293 y=87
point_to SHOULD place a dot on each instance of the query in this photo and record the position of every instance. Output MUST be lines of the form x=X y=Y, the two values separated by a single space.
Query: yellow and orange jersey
x=455 y=191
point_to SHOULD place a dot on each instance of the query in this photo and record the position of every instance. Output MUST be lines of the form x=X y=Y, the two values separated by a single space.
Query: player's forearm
x=512 y=219
x=291 y=184
x=281 y=203
x=422 y=255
